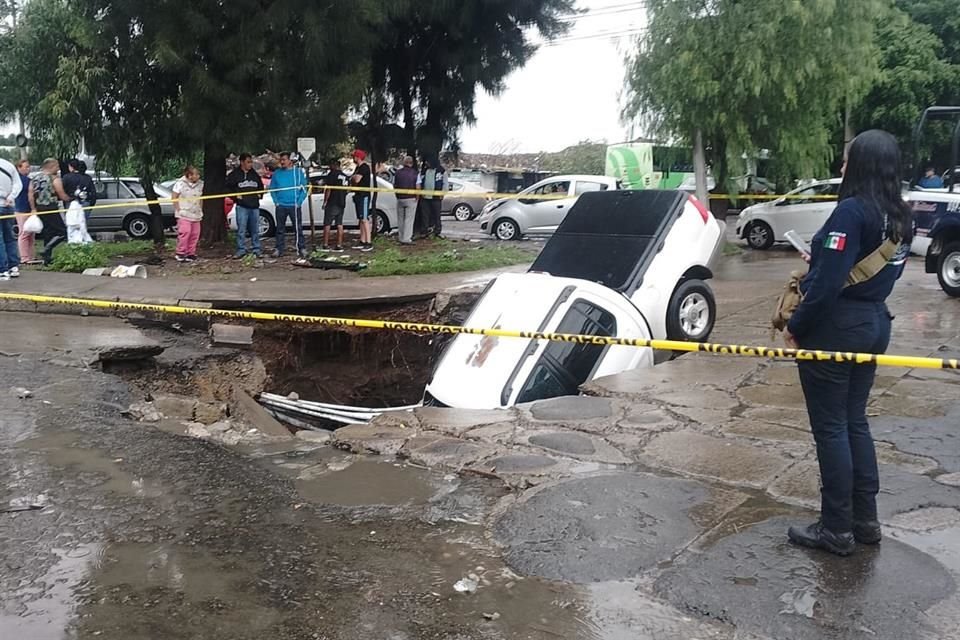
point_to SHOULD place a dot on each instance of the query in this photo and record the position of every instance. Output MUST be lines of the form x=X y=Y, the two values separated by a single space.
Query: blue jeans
x=9 y=252
x=295 y=214
x=836 y=395
x=248 y=224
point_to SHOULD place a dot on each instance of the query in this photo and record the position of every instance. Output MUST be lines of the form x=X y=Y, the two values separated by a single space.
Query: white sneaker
x=15 y=272
x=4 y=276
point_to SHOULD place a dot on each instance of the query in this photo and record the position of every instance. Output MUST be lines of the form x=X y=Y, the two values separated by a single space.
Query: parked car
x=131 y=213
x=625 y=264
x=465 y=200
x=803 y=210
x=512 y=218
x=385 y=215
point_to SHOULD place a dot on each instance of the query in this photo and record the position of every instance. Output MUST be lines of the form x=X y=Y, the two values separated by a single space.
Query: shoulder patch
x=836 y=241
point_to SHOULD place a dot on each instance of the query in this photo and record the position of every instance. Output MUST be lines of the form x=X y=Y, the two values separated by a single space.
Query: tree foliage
x=41 y=77
x=757 y=75
x=432 y=56
x=912 y=76
x=943 y=18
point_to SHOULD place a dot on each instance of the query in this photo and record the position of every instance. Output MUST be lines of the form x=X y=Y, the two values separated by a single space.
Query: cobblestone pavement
x=675 y=485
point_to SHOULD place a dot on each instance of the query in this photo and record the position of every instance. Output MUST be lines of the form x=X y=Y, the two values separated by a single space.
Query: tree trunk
x=848 y=132
x=156 y=212
x=213 y=230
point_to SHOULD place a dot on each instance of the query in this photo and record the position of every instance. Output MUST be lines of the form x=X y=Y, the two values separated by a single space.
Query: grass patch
x=76 y=258
x=438 y=256
x=730 y=249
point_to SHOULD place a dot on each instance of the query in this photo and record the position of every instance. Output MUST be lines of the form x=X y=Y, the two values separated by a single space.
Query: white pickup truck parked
x=630 y=264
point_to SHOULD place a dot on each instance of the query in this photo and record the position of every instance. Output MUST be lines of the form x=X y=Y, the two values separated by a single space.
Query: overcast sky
x=568 y=92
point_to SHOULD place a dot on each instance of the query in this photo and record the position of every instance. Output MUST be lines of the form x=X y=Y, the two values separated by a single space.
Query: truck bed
x=611 y=237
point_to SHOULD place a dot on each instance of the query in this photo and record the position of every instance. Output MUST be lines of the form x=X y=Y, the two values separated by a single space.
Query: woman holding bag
x=857 y=258
x=25 y=238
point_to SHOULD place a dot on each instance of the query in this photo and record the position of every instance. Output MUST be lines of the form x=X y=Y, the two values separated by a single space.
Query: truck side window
x=564 y=366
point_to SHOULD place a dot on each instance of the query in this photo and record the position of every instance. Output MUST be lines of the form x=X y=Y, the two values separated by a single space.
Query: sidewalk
x=251 y=294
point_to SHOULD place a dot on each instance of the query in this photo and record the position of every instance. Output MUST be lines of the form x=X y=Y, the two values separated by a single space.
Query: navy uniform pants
x=836 y=396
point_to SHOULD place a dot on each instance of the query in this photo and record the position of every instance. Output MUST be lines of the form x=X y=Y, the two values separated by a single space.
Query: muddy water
x=368 y=482
x=151 y=535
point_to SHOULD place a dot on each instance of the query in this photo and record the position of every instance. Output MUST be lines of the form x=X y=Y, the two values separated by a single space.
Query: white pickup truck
x=630 y=264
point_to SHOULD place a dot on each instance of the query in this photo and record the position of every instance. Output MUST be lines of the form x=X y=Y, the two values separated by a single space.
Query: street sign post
x=306 y=147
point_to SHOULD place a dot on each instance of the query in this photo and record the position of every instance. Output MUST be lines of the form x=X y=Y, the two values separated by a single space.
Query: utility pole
x=700 y=168
x=14 y=9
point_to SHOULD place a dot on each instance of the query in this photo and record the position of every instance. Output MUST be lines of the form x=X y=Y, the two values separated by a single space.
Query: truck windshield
x=564 y=366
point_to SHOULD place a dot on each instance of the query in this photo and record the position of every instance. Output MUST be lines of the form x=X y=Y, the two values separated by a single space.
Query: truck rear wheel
x=948 y=271
x=692 y=312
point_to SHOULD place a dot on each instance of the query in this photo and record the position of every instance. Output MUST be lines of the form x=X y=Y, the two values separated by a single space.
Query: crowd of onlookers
x=32 y=204
x=289 y=187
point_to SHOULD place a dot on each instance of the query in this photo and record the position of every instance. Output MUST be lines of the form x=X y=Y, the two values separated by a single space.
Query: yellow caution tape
x=912 y=362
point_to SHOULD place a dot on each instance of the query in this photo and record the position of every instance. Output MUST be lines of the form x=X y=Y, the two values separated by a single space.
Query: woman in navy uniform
x=855 y=318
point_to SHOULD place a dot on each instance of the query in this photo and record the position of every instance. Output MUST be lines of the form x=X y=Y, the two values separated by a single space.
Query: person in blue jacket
x=851 y=319
x=288 y=188
x=930 y=179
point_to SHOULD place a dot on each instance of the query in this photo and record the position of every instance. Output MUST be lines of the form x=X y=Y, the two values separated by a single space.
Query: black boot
x=816 y=536
x=867 y=531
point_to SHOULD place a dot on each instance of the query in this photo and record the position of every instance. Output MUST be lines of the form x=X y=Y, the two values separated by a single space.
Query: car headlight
x=488 y=209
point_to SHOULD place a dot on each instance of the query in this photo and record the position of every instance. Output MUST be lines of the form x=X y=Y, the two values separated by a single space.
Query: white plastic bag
x=33 y=225
x=74 y=216
x=77 y=225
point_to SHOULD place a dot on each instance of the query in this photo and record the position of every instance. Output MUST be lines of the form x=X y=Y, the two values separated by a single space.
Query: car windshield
x=564 y=366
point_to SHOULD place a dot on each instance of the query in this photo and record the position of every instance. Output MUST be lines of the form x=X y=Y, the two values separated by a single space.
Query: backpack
x=864 y=270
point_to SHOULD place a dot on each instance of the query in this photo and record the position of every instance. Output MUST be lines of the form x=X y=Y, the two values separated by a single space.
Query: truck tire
x=759 y=236
x=948 y=269
x=692 y=312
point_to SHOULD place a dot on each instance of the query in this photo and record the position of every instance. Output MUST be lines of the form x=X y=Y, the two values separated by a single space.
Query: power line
x=597 y=36
x=610 y=11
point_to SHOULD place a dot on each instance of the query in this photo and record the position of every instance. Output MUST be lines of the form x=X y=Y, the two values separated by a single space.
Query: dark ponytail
x=873 y=174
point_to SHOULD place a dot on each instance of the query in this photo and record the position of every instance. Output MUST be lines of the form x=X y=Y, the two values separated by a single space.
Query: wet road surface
x=616 y=519
x=147 y=535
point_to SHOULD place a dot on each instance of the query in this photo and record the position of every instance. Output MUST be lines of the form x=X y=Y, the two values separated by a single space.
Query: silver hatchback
x=540 y=208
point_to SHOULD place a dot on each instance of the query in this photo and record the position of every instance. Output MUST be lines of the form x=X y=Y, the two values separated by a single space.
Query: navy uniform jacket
x=851 y=234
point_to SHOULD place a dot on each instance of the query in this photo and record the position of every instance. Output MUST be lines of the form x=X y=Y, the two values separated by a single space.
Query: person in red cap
x=363 y=180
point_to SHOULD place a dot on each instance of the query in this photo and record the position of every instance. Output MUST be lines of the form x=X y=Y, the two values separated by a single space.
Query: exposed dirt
x=345 y=366
x=351 y=366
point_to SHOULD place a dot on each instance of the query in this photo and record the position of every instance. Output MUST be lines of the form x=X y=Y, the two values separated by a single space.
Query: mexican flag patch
x=836 y=241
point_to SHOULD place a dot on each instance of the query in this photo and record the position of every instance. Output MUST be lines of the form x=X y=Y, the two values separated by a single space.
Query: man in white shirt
x=10 y=187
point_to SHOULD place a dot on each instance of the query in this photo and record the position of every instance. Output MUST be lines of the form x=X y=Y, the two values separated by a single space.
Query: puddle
x=46 y=607
x=346 y=582
x=61 y=450
x=368 y=482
